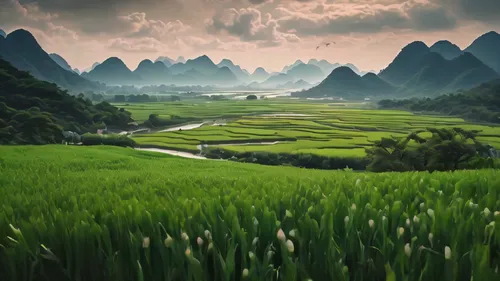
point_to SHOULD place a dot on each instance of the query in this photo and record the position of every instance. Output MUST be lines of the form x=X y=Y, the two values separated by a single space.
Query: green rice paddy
x=292 y=126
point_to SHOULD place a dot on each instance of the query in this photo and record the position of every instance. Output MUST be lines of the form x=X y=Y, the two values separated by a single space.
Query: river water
x=173 y=152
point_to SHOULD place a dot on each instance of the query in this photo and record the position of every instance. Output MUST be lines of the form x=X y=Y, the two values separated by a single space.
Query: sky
x=252 y=33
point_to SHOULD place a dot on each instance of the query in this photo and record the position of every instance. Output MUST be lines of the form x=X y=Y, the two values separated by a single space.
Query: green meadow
x=107 y=213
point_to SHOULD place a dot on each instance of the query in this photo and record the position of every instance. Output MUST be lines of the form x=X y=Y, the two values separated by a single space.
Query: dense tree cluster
x=37 y=112
x=444 y=150
x=481 y=103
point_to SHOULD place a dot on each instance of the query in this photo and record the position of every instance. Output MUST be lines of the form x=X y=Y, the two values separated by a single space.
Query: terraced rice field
x=294 y=127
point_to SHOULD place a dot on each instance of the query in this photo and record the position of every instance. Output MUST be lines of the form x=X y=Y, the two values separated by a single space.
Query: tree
x=252 y=97
x=445 y=150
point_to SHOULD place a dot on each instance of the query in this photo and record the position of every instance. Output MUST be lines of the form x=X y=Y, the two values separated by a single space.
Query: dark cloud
x=480 y=10
x=250 y=25
x=326 y=19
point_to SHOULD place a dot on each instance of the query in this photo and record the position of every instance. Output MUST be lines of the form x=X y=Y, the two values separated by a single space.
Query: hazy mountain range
x=419 y=70
x=416 y=70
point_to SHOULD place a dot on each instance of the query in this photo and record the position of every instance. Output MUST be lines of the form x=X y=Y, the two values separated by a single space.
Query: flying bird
x=327 y=44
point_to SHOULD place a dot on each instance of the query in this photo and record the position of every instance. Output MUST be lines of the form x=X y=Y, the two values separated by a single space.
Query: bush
x=116 y=140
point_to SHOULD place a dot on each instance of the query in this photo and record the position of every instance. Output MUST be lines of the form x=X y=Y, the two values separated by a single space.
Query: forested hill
x=481 y=103
x=37 y=112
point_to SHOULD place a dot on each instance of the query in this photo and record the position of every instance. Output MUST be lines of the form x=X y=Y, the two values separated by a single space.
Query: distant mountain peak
x=446 y=49
x=24 y=37
x=181 y=59
x=61 y=61
x=226 y=61
x=416 y=46
x=2 y=33
x=145 y=62
x=490 y=34
x=260 y=70
x=344 y=71
x=113 y=60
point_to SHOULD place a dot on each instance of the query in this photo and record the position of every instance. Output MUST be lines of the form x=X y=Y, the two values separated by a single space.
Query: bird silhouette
x=327 y=44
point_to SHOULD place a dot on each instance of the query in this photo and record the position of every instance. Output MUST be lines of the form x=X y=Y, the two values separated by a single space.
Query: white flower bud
x=430 y=212
x=208 y=235
x=371 y=223
x=255 y=240
x=168 y=241
x=416 y=219
x=346 y=219
x=422 y=206
x=255 y=221
x=408 y=249
x=447 y=253
x=251 y=255
x=281 y=235
x=408 y=222
x=188 y=252
x=353 y=207
x=245 y=272
x=184 y=236
x=497 y=213
x=401 y=231
x=431 y=237
x=145 y=242
x=487 y=212
x=199 y=241
x=289 y=246
x=292 y=233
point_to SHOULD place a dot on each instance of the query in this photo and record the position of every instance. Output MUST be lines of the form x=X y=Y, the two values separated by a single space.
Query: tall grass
x=108 y=213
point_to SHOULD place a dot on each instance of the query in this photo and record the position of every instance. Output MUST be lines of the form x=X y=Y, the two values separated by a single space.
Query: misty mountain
x=406 y=64
x=439 y=75
x=224 y=76
x=61 y=62
x=168 y=62
x=22 y=50
x=299 y=85
x=259 y=75
x=77 y=71
x=2 y=33
x=308 y=72
x=446 y=49
x=202 y=64
x=288 y=67
x=235 y=69
x=486 y=48
x=113 y=72
x=325 y=66
x=344 y=82
x=275 y=80
x=418 y=70
x=89 y=69
x=153 y=73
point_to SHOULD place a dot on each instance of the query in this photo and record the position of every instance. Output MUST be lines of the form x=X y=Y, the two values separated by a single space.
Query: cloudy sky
x=252 y=33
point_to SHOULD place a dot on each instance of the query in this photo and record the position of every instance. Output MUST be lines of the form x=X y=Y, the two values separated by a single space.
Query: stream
x=173 y=152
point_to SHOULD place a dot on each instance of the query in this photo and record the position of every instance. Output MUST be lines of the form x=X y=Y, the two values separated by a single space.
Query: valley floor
x=290 y=126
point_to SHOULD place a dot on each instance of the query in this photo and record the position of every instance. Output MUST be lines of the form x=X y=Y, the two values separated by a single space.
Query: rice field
x=109 y=213
x=293 y=127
